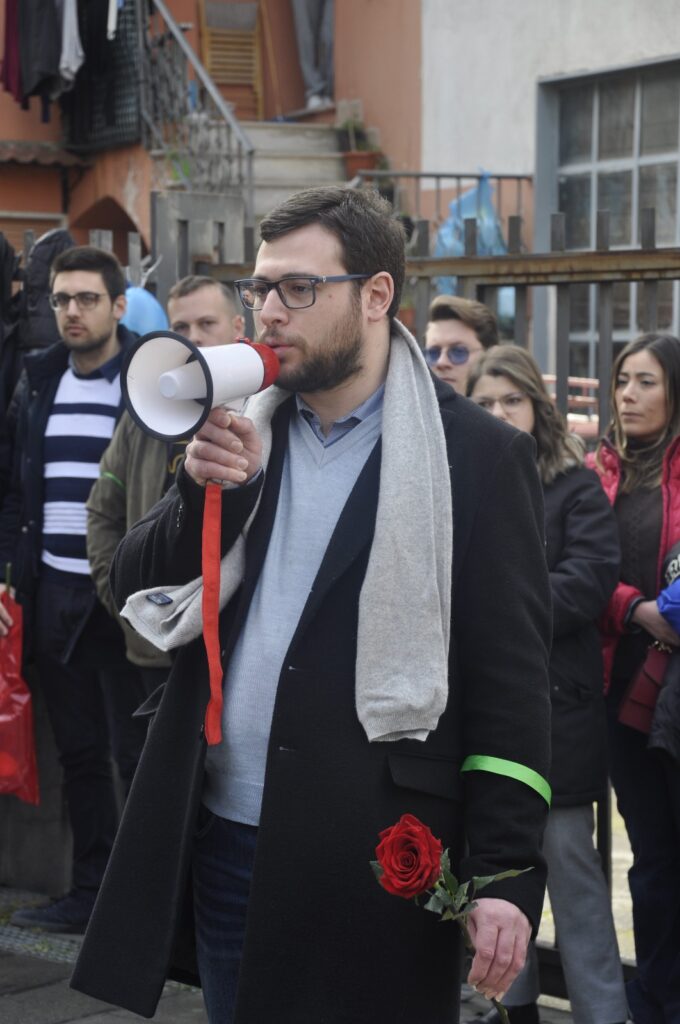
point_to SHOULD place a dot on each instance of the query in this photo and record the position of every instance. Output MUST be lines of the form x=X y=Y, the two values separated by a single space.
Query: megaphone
x=170 y=385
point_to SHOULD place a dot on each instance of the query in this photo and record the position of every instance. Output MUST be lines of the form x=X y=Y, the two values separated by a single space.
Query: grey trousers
x=314 y=29
x=583 y=921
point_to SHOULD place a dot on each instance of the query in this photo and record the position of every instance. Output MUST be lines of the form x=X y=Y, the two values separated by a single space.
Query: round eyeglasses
x=456 y=354
x=294 y=292
x=83 y=300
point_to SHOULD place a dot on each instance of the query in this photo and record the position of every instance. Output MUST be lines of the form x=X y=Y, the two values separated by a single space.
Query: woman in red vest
x=639 y=466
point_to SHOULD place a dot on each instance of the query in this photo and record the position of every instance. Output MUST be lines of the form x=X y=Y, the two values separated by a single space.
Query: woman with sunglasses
x=639 y=465
x=583 y=560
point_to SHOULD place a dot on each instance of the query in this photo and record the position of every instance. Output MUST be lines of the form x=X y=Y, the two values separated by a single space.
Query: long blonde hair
x=558 y=450
x=641 y=464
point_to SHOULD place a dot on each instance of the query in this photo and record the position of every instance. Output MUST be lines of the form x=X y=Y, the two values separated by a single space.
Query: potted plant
x=357 y=148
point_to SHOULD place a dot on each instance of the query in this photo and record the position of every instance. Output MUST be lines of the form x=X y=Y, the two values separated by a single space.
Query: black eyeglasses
x=456 y=354
x=294 y=292
x=83 y=300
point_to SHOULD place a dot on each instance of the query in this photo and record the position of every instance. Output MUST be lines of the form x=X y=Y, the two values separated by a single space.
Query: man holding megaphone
x=373 y=661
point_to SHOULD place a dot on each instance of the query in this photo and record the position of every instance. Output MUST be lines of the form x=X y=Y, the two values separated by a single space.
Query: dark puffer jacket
x=583 y=560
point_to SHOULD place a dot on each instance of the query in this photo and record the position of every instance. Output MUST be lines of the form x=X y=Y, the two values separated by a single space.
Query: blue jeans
x=222 y=867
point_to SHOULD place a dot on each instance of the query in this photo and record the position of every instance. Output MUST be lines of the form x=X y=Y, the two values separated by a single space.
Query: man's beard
x=338 y=360
x=83 y=345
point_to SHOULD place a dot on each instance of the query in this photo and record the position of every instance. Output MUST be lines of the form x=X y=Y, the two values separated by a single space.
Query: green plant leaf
x=435 y=903
x=451 y=915
x=450 y=881
x=378 y=869
x=445 y=861
x=446 y=896
x=481 y=881
x=461 y=895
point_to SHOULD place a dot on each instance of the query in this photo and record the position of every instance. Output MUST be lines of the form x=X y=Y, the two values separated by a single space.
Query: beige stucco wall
x=482 y=59
x=377 y=59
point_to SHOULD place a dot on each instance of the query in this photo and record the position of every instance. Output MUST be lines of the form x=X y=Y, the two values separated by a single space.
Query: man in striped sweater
x=63 y=416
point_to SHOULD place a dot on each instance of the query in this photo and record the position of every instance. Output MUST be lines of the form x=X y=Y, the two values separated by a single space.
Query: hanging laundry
x=11 y=67
x=39 y=50
x=112 y=18
x=72 y=53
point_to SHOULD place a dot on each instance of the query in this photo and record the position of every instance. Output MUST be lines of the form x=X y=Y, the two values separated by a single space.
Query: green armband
x=513 y=769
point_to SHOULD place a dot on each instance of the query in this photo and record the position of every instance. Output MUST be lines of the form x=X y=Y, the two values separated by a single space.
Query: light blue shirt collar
x=346 y=423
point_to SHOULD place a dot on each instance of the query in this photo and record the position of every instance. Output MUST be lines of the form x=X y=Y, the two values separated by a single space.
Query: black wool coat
x=324 y=943
x=583 y=560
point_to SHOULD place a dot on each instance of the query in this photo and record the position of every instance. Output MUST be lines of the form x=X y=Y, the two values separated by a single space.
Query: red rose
x=409 y=856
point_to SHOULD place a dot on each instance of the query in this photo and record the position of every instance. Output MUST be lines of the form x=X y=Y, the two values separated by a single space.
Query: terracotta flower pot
x=360 y=160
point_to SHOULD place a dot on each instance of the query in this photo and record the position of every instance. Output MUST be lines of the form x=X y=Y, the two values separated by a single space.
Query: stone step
x=280 y=135
x=303 y=167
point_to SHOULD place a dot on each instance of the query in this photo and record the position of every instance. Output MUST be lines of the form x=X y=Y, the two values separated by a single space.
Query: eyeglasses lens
x=83 y=300
x=456 y=354
x=294 y=292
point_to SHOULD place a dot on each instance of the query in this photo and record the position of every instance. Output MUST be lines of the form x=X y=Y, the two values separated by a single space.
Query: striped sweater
x=79 y=428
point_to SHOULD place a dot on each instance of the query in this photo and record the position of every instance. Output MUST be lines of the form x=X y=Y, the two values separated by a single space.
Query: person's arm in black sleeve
x=10 y=510
x=584 y=577
x=503 y=630
x=164 y=548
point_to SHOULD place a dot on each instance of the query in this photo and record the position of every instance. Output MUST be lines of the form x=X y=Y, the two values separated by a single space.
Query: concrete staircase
x=289 y=157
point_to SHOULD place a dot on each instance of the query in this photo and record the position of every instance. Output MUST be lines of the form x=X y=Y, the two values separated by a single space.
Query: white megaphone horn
x=170 y=385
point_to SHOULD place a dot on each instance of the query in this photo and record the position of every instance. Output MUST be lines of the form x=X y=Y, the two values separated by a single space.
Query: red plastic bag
x=18 y=768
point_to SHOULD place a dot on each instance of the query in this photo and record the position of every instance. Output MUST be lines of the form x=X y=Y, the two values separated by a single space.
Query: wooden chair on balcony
x=231 y=52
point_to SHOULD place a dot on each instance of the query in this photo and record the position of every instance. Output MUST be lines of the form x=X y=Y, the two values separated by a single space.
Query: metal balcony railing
x=185 y=119
x=428 y=194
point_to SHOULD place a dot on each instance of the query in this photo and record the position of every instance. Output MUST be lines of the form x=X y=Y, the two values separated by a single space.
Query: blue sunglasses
x=456 y=354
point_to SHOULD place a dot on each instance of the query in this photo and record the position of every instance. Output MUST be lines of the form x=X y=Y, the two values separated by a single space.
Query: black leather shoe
x=68 y=915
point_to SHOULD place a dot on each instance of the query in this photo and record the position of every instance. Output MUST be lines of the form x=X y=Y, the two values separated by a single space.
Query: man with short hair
x=137 y=469
x=205 y=311
x=457 y=333
x=64 y=411
x=377 y=661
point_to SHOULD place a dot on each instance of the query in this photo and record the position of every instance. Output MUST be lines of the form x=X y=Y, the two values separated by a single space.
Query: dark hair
x=642 y=463
x=474 y=315
x=194 y=282
x=371 y=238
x=557 y=449
x=94 y=260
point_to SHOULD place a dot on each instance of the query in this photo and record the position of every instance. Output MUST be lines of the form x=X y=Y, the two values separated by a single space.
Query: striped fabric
x=79 y=428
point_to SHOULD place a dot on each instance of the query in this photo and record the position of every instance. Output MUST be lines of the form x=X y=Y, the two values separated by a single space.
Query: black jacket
x=583 y=561
x=324 y=944
x=21 y=516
